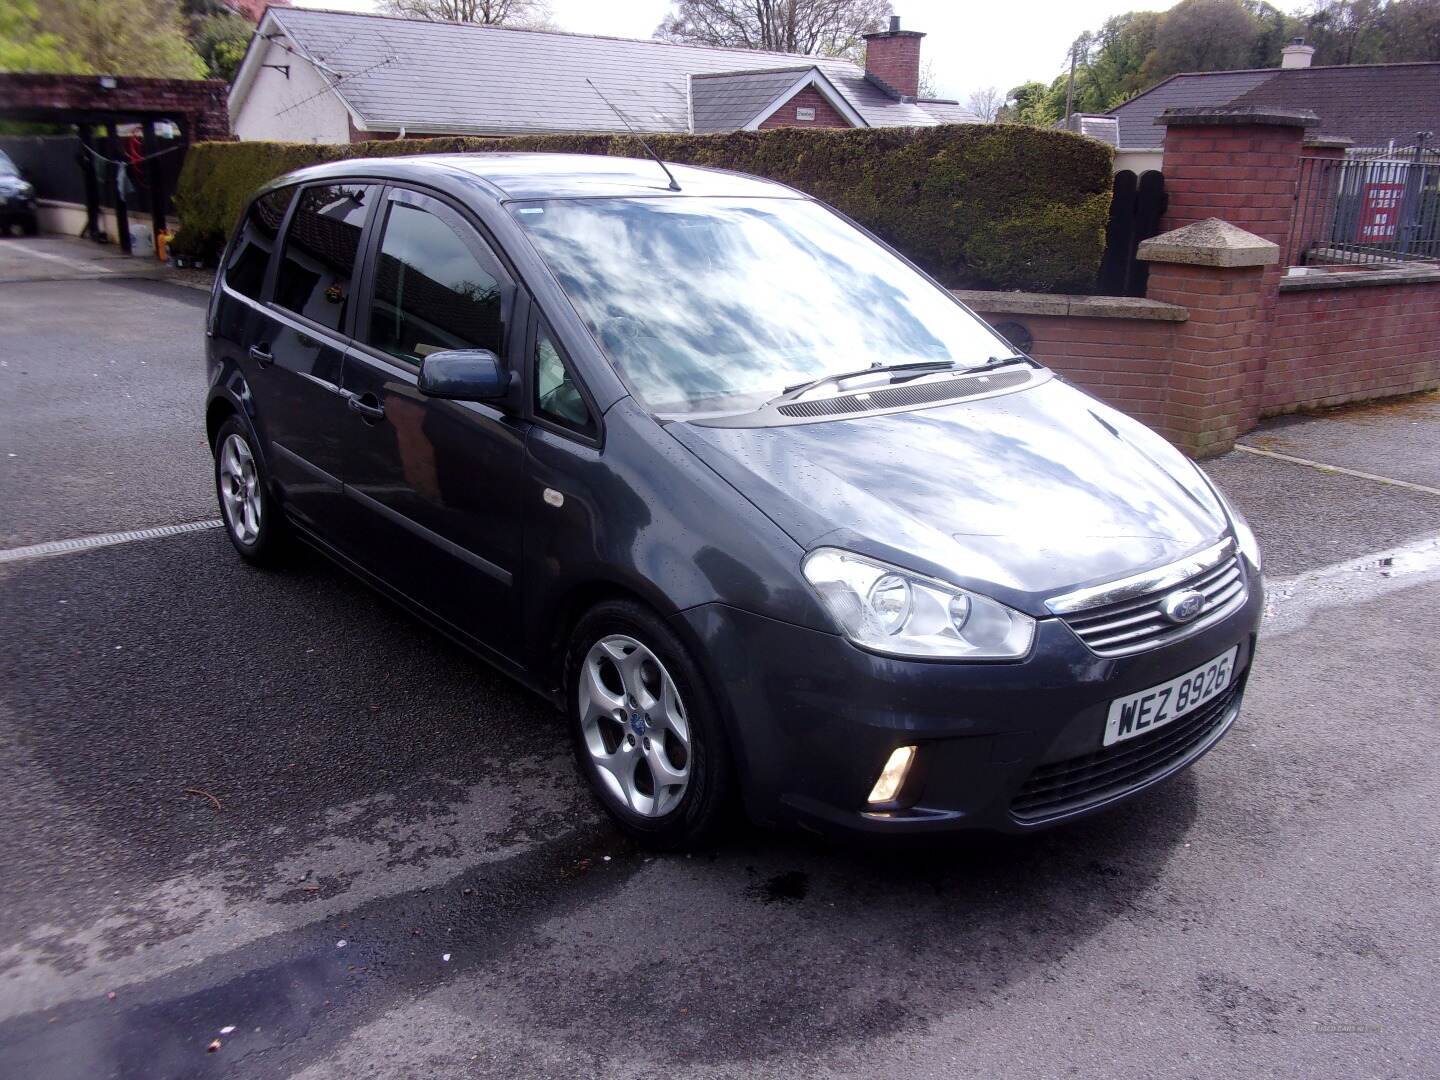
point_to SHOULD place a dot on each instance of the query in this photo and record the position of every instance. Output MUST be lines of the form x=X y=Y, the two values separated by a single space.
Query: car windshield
x=707 y=306
x=7 y=167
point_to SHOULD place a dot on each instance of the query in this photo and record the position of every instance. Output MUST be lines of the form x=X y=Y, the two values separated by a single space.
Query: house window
x=804 y=112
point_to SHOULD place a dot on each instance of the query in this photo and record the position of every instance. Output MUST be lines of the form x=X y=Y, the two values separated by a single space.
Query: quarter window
x=320 y=249
x=245 y=270
x=557 y=397
x=431 y=292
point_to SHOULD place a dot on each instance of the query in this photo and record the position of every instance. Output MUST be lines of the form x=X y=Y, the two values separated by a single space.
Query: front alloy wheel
x=634 y=725
x=648 y=736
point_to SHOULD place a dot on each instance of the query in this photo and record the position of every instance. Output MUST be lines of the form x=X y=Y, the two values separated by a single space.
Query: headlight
x=889 y=610
x=1244 y=535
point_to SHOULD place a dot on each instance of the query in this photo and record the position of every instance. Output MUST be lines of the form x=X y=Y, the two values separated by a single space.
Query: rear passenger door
x=297 y=354
x=433 y=485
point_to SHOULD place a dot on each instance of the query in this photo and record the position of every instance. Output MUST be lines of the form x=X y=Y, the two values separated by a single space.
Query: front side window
x=715 y=305
x=431 y=292
x=320 y=249
x=245 y=269
x=557 y=397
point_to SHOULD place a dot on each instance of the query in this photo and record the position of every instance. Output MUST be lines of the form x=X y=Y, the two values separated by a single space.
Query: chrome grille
x=1138 y=624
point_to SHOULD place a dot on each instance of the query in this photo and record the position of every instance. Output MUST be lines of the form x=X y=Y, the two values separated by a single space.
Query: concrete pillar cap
x=1236 y=116
x=1211 y=242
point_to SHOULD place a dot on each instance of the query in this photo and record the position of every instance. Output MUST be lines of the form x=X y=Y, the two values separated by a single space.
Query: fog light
x=893 y=775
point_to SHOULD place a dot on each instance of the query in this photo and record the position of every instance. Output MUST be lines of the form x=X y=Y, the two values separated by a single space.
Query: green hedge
x=979 y=206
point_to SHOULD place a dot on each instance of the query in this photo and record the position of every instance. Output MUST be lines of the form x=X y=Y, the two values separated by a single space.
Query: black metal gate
x=1380 y=210
x=1136 y=206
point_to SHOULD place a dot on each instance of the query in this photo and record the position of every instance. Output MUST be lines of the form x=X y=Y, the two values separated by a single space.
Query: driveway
x=269 y=809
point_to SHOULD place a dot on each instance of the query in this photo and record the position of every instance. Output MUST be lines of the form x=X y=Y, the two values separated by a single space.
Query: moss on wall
x=980 y=206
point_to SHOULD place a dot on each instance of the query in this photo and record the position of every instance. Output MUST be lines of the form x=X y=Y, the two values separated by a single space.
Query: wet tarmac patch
x=787 y=888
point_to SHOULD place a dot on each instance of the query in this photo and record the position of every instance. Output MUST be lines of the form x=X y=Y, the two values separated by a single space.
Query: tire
x=30 y=225
x=252 y=518
x=660 y=691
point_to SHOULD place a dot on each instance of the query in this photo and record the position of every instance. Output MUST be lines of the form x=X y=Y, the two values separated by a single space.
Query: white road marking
x=85 y=543
x=1290 y=600
x=64 y=260
x=1323 y=467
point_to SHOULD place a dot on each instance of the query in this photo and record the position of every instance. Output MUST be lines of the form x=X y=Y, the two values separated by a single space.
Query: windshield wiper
x=791 y=392
x=1000 y=361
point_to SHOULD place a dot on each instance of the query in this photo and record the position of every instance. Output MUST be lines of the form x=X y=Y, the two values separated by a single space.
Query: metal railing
x=1381 y=211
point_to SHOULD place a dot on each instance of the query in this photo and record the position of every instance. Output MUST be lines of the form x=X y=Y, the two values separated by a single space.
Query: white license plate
x=1156 y=707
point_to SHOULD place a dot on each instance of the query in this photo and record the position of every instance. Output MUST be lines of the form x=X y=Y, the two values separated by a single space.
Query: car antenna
x=674 y=186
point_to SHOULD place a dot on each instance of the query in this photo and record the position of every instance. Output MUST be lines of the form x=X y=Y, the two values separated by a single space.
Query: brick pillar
x=1240 y=165
x=1217 y=272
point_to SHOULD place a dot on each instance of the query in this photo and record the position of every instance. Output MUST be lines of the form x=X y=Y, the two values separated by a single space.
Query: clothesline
x=123 y=162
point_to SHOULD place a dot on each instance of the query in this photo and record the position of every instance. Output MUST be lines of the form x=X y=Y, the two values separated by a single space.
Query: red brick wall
x=1253 y=343
x=1346 y=344
x=826 y=115
x=1123 y=362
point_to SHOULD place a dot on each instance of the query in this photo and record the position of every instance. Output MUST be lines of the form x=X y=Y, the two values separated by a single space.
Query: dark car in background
x=17 y=199
x=765 y=509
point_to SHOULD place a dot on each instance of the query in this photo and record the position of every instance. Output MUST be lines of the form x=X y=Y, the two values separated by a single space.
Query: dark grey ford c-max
x=760 y=505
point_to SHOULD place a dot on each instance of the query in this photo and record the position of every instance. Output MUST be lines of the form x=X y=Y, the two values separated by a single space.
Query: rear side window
x=431 y=291
x=245 y=271
x=320 y=250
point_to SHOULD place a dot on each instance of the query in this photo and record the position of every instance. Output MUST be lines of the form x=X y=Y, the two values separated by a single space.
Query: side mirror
x=464 y=375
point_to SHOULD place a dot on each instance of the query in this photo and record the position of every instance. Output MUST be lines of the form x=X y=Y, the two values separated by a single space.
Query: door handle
x=263 y=356
x=370 y=410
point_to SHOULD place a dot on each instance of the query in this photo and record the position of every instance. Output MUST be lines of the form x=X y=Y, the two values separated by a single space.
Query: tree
x=1275 y=30
x=1347 y=31
x=125 y=37
x=1114 y=70
x=26 y=46
x=1034 y=103
x=825 y=27
x=221 y=41
x=524 y=13
x=1412 y=30
x=985 y=103
x=1202 y=35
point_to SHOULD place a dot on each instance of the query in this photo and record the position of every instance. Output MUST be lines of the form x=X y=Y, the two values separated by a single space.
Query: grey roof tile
x=949 y=112
x=730 y=101
x=1367 y=103
x=464 y=79
x=1138 y=130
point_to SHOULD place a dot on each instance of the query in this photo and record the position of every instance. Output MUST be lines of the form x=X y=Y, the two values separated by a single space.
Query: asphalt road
x=272 y=803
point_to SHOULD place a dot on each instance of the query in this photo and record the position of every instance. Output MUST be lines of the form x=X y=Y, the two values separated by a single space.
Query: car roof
x=544 y=176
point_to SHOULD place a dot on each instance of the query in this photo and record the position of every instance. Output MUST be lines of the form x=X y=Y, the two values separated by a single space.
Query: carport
x=97 y=105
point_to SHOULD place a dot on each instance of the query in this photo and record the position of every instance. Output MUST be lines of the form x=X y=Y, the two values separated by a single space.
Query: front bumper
x=812 y=720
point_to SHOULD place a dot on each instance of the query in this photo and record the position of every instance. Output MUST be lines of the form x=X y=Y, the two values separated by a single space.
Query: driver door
x=434 y=485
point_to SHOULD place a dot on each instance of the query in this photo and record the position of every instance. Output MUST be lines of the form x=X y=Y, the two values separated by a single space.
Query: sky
x=969 y=43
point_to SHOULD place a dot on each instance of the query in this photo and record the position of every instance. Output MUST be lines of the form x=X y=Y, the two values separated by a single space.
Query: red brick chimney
x=892 y=59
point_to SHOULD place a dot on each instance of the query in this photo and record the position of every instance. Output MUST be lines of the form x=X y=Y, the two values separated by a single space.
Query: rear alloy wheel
x=251 y=518
x=647 y=735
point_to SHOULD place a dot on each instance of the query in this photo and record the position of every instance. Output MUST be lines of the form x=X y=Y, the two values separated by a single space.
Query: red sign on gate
x=1380 y=213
